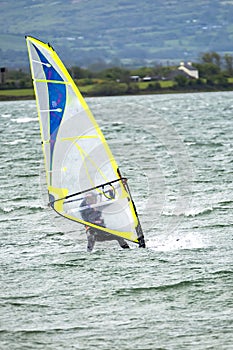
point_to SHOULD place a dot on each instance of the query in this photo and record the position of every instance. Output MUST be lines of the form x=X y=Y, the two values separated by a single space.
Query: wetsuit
x=93 y=215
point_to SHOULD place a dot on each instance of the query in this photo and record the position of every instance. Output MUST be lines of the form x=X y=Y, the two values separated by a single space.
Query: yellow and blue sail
x=78 y=160
x=57 y=98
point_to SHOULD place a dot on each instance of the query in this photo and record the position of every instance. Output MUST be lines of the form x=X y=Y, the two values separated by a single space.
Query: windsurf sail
x=78 y=161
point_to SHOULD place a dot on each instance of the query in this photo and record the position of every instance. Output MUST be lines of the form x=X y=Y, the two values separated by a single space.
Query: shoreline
x=16 y=97
x=5 y=98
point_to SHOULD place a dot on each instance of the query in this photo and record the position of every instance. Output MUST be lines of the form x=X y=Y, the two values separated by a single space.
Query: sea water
x=176 y=151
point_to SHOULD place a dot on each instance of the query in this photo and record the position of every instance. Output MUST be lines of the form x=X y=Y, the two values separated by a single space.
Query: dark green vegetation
x=215 y=73
x=128 y=32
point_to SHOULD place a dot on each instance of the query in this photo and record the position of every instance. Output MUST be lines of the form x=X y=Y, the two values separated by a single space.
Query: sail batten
x=78 y=160
x=90 y=189
x=52 y=81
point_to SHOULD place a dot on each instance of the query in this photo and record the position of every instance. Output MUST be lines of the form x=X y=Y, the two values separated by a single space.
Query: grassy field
x=89 y=90
x=17 y=92
x=163 y=84
x=26 y=93
x=84 y=89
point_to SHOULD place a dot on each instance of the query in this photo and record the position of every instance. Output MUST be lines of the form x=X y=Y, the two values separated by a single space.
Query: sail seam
x=85 y=156
x=74 y=138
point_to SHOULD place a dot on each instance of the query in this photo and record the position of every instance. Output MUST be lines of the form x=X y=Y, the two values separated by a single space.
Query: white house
x=135 y=78
x=189 y=69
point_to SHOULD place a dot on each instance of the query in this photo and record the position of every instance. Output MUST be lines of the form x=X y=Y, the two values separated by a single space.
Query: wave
x=197 y=211
x=6 y=210
x=21 y=297
x=225 y=202
x=21 y=303
x=16 y=142
x=24 y=120
x=147 y=289
x=203 y=144
x=10 y=209
x=6 y=115
x=190 y=212
x=44 y=330
x=223 y=273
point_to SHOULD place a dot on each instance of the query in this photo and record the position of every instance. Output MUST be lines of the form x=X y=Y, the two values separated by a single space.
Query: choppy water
x=176 y=151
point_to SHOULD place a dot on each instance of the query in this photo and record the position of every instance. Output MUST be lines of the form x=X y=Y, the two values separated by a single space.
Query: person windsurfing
x=91 y=214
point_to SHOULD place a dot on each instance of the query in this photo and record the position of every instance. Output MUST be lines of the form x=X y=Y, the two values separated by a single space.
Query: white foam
x=6 y=115
x=16 y=142
x=24 y=120
x=172 y=242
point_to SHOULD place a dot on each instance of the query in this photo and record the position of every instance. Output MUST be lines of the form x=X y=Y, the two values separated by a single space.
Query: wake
x=172 y=242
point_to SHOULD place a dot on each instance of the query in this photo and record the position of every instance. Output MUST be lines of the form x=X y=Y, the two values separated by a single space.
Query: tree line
x=215 y=73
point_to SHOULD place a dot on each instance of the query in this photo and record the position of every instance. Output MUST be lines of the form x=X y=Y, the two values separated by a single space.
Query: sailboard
x=78 y=160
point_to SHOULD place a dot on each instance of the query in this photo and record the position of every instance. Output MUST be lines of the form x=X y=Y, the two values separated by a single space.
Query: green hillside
x=119 y=31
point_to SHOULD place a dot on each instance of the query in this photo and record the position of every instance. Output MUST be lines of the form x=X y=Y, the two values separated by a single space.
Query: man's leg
x=90 y=239
x=103 y=236
x=123 y=243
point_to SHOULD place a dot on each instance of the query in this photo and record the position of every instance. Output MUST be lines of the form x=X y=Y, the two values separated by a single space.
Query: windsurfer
x=92 y=214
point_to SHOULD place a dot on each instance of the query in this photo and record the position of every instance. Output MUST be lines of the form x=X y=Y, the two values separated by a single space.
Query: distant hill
x=132 y=32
